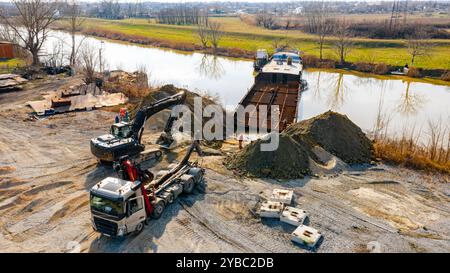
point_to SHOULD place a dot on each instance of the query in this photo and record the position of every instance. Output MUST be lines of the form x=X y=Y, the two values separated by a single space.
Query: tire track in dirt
x=70 y=207
x=218 y=234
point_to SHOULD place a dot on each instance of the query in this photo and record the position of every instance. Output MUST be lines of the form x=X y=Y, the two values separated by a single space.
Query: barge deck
x=278 y=83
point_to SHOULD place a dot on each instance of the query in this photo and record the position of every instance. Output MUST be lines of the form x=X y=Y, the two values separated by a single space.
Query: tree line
x=182 y=15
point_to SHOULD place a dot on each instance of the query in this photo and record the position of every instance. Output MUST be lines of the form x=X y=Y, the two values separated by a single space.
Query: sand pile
x=290 y=160
x=336 y=134
x=333 y=132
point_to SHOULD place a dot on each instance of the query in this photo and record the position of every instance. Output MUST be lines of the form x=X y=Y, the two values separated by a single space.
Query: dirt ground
x=46 y=170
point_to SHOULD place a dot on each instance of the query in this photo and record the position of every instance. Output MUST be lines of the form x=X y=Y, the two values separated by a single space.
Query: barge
x=278 y=81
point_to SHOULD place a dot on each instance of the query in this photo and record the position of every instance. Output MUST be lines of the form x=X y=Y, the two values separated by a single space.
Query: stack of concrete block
x=271 y=209
x=278 y=206
x=283 y=196
x=293 y=216
x=306 y=235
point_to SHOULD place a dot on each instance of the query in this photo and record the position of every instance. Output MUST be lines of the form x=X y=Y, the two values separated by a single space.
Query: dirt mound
x=306 y=147
x=336 y=134
x=131 y=84
x=290 y=160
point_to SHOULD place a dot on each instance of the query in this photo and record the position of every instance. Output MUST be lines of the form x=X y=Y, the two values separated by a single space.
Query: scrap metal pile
x=11 y=82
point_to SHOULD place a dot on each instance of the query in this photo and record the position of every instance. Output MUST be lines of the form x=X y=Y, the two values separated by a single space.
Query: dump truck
x=124 y=138
x=125 y=204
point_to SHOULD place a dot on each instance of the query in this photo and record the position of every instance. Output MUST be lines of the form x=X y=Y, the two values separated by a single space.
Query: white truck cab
x=120 y=206
x=117 y=207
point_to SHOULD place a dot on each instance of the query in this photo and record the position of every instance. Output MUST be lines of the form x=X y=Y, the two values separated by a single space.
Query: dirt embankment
x=324 y=140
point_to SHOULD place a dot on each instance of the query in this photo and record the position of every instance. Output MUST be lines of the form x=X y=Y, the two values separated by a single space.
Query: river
x=406 y=105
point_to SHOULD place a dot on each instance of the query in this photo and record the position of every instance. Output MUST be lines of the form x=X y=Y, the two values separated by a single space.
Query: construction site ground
x=46 y=171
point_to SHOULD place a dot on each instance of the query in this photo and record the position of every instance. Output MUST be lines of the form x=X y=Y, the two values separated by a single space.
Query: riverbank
x=404 y=78
x=242 y=40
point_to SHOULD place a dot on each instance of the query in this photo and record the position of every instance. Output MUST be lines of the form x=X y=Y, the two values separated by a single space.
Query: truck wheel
x=188 y=186
x=170 y=198
x=158 y=209
x=139 y=228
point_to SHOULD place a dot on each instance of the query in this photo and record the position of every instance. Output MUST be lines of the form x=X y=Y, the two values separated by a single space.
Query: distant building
x=298 y=10
x=6 y=50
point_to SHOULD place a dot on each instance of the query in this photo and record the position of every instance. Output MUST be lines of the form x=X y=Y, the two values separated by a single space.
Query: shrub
x=327 y=64
x=364 y=67
x=381 y=69
x=446 y=76
x=414 y=72
x=313 y=61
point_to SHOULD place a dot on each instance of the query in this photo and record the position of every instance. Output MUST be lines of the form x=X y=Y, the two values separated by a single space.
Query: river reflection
x=210 y=67
x=405 y=104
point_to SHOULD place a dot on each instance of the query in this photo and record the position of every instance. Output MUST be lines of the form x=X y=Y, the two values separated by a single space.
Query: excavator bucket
x=166 y=141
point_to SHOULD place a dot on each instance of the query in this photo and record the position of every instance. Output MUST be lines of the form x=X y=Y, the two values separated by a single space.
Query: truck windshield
x=120 y=131
x=107 y=206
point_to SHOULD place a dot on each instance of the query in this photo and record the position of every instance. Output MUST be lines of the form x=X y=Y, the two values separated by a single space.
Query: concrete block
x=283 y=196
x=293 y=216
x=305 y=235
x=270 y=209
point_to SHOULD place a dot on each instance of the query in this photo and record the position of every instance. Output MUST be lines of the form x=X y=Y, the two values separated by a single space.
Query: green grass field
x=241 y=35
x=8 y=65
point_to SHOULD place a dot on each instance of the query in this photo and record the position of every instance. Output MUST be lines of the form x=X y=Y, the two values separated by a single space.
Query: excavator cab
x=125 y=137
x=121 y=129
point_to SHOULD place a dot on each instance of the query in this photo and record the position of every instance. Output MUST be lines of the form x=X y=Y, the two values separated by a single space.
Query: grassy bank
x=406 y=152
x=7 y=65
x=242 y=38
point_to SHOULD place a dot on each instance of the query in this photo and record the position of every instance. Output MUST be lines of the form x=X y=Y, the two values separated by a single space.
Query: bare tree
x=417 y=44
x=215 y=34
x=343 y=42
x=182 y=14
x=89 y=61
x=288 y=22
x=109 y=9
x=324 y=27
x=7 y=33
x=75 y=23
x=311 y=12
x=202 y=33
x=266 y=20
x=32 y=24
x=56 y=55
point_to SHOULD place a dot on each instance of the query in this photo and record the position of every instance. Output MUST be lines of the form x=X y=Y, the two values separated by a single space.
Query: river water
x=406 y=105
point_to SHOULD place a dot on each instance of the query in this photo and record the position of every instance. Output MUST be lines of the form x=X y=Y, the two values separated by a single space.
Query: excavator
x=124 y=138
x=125 y=204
